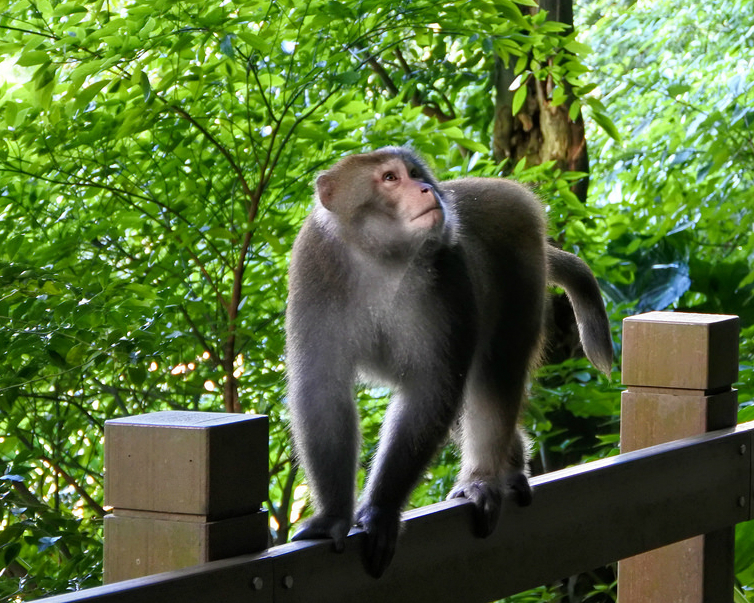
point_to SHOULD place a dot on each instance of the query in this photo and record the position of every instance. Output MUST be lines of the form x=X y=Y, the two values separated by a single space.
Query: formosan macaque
x=436 y=289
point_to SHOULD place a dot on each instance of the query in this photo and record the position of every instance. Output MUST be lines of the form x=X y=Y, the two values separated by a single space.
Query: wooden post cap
x=197 y=463
x=680 y=350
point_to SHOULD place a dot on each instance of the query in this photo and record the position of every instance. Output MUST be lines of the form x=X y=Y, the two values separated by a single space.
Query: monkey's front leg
x=324 y=422
x=415 y=425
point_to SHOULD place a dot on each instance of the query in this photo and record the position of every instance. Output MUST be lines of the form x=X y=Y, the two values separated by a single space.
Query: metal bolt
x=741 y=501
x=257 y=583
x=288 y=581
x=742 y=449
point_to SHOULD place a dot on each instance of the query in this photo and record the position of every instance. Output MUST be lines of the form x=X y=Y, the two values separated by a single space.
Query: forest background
x=156 y=160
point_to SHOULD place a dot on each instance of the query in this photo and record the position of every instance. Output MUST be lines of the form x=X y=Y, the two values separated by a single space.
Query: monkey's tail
x=572 y=274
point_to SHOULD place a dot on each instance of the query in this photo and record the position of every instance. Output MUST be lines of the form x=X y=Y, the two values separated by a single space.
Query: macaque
x=438 y=290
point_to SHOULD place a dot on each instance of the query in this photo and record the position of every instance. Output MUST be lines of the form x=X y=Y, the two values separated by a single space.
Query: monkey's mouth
x=429 y=210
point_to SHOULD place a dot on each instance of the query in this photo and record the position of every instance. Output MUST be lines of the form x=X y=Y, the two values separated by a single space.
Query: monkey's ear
x=325 y=185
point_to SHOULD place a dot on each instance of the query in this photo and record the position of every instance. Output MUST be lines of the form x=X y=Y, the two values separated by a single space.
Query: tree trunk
x=539 y=132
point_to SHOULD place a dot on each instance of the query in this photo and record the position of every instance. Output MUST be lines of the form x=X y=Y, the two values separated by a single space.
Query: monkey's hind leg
x=494 y=453
x=323 y=527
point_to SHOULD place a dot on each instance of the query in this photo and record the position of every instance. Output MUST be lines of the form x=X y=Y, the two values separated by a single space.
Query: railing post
x=185 y=487
x=679 y=369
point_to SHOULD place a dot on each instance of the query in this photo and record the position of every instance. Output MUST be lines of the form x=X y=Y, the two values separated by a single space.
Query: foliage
x=155 y=162
x=154 y=168
x=66 y=549
x=673 y=196
x=674 y=227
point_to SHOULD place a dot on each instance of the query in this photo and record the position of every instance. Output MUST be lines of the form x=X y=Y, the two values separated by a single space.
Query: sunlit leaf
x=518 y=99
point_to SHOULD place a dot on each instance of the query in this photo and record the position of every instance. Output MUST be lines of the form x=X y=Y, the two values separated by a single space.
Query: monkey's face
x=406 y=196
x=383 y=204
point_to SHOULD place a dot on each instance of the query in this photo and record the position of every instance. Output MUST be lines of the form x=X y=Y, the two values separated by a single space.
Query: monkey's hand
x=488 y=499
x=324 y=526
x=381 y=527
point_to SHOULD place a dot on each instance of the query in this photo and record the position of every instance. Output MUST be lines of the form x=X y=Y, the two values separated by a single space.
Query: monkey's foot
x=381 y=527
x=321 y=527
x=488 y=498
x=517 y=487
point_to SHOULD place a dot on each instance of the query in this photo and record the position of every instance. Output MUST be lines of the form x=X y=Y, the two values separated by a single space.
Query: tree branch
x=95 y=506
x=197 y=333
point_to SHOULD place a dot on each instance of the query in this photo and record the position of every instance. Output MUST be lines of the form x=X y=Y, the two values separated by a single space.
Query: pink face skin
x=412 y=199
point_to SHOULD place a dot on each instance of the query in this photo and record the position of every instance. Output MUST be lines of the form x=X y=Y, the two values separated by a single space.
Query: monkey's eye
x=414 y=174
x=389 y=176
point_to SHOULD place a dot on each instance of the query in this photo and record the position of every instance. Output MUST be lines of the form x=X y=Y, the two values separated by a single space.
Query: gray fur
x=450 y=316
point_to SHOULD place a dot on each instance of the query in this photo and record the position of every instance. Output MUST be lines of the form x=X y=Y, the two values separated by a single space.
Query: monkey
x=437 y=290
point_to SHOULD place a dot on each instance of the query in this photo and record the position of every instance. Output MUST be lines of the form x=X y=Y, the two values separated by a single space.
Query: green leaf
x=473 y=145
x=678 y=89
x=747 y=281
x=578 y=48
x=90 y=67
x=518 y=99
x=509 y=11
x=584 y=90
x=44 y=95
x=10 y=553
x=34 y=57
x=77 y=354
x=142 y=291
x=453 y=132
x=146 y=89
x=347 y=77
x=574 y=110
x=226 y=46
x=85 y=96
x=220 y=232
x=51 y=288
x=68 y=8
x=137 y=374
x=11 y=113
x=274 y=242
x=558 y=97
x=606 y=124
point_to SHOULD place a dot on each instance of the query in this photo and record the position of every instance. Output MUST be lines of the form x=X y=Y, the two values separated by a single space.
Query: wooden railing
x=182 y=495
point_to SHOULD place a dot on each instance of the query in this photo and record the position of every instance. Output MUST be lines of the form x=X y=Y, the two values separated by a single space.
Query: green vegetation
x=155 y=164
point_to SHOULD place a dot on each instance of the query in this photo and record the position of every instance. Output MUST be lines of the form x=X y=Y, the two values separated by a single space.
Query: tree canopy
x=155 y=164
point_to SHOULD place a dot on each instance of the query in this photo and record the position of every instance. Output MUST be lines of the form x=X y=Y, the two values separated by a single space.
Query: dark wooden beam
x=581 y=518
